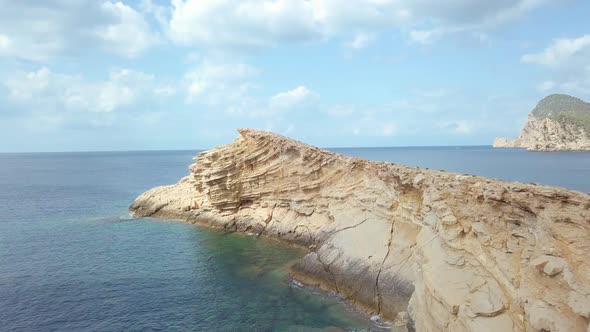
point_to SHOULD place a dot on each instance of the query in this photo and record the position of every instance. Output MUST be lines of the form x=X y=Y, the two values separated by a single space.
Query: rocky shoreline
x=547 y=135
x=454 y=252
x=558 y=123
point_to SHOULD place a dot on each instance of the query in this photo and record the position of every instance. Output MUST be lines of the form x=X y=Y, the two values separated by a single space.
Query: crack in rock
x=268 y=220
x=377 y=292
x=329 y=272
x=345 y=228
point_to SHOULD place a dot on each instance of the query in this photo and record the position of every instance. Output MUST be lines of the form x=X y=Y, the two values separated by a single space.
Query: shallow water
x=71 y=258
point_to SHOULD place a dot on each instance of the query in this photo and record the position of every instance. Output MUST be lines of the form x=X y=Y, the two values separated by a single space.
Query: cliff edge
x=558 y=123
x=451 y=252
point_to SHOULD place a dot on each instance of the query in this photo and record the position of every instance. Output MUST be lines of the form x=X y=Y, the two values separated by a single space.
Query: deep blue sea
x=562 y=169
x=72 y=259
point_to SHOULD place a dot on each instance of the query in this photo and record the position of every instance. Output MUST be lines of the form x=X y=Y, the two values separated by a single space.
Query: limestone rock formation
x=558 y=122
x=443 y=251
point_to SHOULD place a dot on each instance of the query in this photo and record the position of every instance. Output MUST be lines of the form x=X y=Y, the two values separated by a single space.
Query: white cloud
x=242 y=24
x=124 y=88
x=425 y=37
x=5 y=43
x=292 y=98
x=44 y=90
x=291 y=103
x=469 y=12
x=219 y=83
x=254 y=24
x=546 y=86
x=361 y=40
x=568 y=63
x=165 y=91
x=41 y=30
x=578 y=86
x=560 y=52
x=161 y=13
x=464 y=127
x=230 y=88
x=460 y=127
x=388 y=129
x=129 y=34
x=33 y=83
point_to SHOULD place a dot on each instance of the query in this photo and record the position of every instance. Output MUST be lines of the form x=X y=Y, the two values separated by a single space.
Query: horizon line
x=186 y=150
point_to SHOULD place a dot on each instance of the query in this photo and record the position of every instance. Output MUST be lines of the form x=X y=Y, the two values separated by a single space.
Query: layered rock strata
x=456 y=252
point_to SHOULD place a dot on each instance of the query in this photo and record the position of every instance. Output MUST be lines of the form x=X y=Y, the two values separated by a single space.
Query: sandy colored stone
x=383 y=236
x=400 y=322
x=580 y=304
x=449 y=220
x=485 y=302
x=418 y=180
x=550 y=265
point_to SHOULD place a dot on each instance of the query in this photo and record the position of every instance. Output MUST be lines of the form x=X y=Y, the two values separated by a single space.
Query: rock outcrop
x=558 y=123
x=443 y=251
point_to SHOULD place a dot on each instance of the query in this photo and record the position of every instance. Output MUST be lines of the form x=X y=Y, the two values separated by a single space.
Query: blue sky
x=86 y=75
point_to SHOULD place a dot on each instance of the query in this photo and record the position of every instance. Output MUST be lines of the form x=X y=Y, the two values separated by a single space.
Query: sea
x=72 y=258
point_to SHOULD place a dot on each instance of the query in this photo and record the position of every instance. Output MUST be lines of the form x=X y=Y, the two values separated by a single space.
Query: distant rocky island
x=558 y=123
x=429 y=250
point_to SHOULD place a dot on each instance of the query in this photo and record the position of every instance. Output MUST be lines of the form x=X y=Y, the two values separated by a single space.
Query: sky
x=96 y=75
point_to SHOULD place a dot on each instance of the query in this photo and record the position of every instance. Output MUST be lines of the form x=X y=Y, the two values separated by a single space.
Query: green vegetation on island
x=564 y=109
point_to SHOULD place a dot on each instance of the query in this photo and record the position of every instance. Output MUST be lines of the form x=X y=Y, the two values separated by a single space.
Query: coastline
x=455 y=251
x=299 y=280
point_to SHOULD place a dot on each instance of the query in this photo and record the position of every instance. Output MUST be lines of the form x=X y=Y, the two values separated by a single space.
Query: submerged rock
x=457 y=253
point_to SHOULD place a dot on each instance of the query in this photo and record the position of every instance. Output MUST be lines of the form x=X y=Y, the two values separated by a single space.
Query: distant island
x=558 y=123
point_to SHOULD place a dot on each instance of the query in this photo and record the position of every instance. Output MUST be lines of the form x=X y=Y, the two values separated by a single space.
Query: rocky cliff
x=558 y=122
x=451 y=252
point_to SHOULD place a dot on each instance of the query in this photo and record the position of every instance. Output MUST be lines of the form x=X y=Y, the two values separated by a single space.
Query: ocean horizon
x=74 y=259
x=480 y=160
x=205 y=149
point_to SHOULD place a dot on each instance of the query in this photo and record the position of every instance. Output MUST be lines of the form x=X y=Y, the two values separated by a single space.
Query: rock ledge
x=448 y=252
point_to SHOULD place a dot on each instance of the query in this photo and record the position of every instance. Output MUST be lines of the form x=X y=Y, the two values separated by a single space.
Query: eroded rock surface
x=558 y=123
x=446 y=252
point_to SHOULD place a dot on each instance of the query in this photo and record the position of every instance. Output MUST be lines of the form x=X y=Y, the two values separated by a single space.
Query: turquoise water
x=71 y=258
